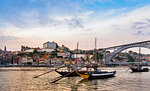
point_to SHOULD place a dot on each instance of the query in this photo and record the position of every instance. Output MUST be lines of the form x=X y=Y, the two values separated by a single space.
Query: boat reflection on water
x=86 y=84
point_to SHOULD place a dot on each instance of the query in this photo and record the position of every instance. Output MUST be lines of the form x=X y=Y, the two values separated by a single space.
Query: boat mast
x=77 y=46
x=77 y=52
x=139 y=56
x=95 y=51
x=77 y=49
x=96 y=63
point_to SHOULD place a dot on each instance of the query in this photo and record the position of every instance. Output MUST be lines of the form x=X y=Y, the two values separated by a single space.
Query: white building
x=79 y=56
x=63 y=54
x=29 y=50
x=50 y=45
x=47 y=50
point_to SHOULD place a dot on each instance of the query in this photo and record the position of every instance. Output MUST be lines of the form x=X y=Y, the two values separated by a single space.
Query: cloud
x=148 y=33
x=133 y=21
x=139 y=33
x=141 y=25
x=4 y=37
x=148 y=20
x=129 y=27
x=8 y=38
x=95 y=1
x=35 y=21
x=74 y=22
x=57 y=23
x=116 y=27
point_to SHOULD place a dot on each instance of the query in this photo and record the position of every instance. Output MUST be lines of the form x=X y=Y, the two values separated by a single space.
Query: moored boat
x=139 y=70
x=63 y=73
x=98 y=75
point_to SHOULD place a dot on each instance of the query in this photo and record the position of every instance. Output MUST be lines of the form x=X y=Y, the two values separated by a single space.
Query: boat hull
x=101 y=75
x=139 y=70
x=71 y=74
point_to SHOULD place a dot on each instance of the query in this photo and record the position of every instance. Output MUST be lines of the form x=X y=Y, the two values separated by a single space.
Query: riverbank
x=30 y=65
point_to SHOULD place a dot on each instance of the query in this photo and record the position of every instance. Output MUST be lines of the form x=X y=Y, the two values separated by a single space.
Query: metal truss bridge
x=117 y=49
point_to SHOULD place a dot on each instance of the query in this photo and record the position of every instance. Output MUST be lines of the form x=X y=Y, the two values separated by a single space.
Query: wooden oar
x=48 y=72
x=127 y=70
x=64 y=76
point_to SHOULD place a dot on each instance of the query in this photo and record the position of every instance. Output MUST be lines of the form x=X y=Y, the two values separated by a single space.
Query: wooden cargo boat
x=98 y=75
x=63 y=73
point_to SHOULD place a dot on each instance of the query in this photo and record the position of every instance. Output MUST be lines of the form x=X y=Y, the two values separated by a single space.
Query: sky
x=112 y=22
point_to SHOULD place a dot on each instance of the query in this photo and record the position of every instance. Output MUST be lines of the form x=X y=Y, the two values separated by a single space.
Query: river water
x=21 y=79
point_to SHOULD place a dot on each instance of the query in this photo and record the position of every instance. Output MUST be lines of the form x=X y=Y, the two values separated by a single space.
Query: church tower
x=5 y=48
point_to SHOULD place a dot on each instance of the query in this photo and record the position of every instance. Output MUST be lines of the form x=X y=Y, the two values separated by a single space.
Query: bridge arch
x=124 y=48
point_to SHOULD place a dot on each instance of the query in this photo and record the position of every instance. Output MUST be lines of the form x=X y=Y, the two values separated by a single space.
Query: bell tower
x=5 y=48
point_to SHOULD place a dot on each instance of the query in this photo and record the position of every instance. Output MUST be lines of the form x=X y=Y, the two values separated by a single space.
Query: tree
x=59 y=56
x=21 y=54
x=107 y=51
x=35 y=51
x=53 y=54
x=130 y=58
x=100 y=56
x=130 y=52
x=30 y=54
x=119 y=58
x=135 y=53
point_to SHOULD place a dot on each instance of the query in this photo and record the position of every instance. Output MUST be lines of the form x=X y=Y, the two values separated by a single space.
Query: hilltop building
x=47 y=50
x=24 y=48
x=50 y=45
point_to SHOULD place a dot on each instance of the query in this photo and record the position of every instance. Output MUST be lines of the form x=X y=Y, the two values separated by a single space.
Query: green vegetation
x=53 y=54
x=59 y=56
x=130 y=58
x=29 y=63
x=119 y=58
x=100 y=56
x=21 y=54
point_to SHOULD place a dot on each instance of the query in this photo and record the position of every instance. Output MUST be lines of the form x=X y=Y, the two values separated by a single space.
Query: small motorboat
x=137 y=69
x=98 y=75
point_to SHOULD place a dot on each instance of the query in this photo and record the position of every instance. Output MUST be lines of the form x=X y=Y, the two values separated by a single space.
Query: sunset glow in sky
x=112 y=22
